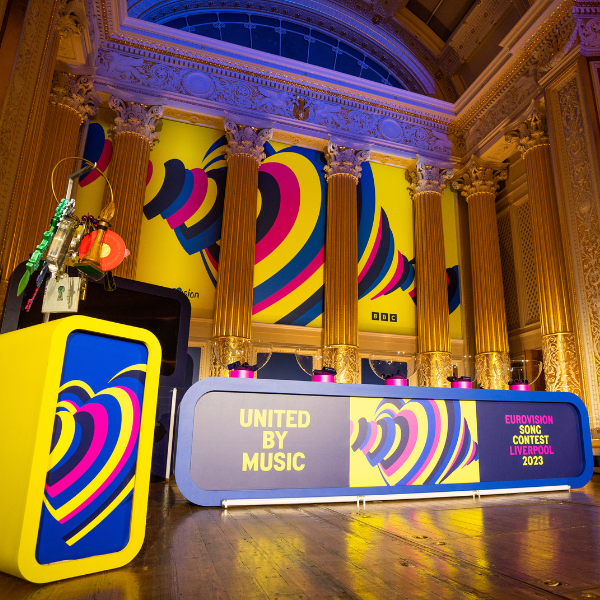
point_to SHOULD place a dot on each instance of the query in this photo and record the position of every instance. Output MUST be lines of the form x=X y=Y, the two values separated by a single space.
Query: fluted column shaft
x=61 y=131
x=233 y=302
x=432 y=292
x=128 y=174
x=433 y=328
x=488 y=292
x=479 y=185
x=433 y=325
x=561 y=364
x=340 y=318
x=340 y=311
x=27 y=90
x=134 y=135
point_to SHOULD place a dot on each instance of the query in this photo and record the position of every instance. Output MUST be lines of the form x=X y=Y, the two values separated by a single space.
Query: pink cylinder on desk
x=325 y=377
x=465 y=385
x=396 y=381
x=242 y=373
x=520 y=387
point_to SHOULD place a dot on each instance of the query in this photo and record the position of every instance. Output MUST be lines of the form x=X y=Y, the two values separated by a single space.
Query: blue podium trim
x=303 y=388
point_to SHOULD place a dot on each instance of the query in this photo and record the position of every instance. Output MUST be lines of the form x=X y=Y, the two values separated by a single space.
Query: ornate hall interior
x=408 y=178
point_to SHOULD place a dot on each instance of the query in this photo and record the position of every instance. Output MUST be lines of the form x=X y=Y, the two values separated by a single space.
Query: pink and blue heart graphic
x=93 y=455
x=191 y=202
x=418 y=442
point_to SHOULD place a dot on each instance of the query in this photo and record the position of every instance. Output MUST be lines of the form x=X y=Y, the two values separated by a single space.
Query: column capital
x=76 y=92
x=587 y=19
x=427 y=178
x=71 y=18
x=133 y=117
x=479 y=176
x=342 y=160
x=246 y=140
x=533 y=131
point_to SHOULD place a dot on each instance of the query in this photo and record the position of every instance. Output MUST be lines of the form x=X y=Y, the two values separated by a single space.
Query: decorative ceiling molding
x=191 y=79
x=353 y=19
x=516 y=77
x=208 y=77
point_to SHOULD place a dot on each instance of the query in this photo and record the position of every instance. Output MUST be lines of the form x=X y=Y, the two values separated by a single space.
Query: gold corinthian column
x=340 y=314
x=134 y=134
x=233 y=302
x=478 y=181
x=561 y=365
x=72 y=101
x=433 y=328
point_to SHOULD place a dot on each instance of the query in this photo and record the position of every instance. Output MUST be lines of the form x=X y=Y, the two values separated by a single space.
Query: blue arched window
x=287 y=39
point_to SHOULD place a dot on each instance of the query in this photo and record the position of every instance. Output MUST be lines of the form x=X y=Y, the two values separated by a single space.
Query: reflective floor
x=525 y=546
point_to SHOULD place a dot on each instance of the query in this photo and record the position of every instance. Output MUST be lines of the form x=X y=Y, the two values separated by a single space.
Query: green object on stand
x=36 y=258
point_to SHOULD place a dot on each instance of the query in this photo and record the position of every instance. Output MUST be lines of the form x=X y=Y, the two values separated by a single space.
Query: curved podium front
x=78 y=407
x=265 y=442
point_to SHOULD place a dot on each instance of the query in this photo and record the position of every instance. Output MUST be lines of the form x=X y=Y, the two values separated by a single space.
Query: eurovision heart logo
x=94 y=451
x=419 y=442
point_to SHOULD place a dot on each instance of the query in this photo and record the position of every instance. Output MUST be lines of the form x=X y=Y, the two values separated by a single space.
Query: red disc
x=112 y=252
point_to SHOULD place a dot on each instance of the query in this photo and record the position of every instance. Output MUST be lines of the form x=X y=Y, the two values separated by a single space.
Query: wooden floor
x=525 y=546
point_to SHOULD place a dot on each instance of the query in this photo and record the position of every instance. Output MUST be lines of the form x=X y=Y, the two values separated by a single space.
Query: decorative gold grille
x=532 y=311
x=509 y=278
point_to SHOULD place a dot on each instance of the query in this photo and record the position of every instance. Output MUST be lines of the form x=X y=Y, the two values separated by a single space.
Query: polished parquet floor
x=523 y=546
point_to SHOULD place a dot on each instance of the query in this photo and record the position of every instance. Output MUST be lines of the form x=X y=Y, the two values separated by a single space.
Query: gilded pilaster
x=434 y=359
x=340 y=315
x=574 y=131
x=561 y=363
x=233 y=302
x=134 y=134
x=22 y=118
x=478 y=182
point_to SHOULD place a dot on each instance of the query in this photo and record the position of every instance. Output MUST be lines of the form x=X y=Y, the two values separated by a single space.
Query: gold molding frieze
x=525 y=54
x=284 y=137
x=186 y=116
